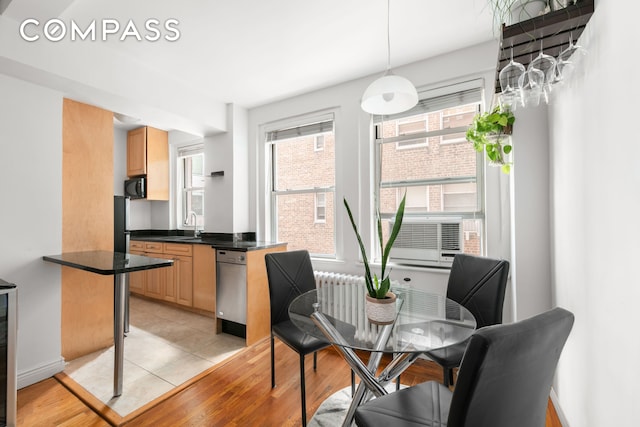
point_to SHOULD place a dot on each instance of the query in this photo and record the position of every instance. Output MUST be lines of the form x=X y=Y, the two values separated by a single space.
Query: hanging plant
x=490 y=132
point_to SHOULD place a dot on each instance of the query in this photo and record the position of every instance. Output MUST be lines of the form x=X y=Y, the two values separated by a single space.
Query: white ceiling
x=246 y=52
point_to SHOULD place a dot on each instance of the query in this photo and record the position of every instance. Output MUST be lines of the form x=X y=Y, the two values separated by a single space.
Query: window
x=302 y=185
x=421 y=153
x=412 y=125
x=191 y=186
x=321 y=207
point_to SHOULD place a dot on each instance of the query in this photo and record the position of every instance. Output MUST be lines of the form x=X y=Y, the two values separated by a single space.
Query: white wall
x=530 y=227
x=31 y=218
x=595 y=169
x=354 y=151
x=227 y=197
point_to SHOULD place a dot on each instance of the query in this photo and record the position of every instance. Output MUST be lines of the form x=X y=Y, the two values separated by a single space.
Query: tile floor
x=164 y=348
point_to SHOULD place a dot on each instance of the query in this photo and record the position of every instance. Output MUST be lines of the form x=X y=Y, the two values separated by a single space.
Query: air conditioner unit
x=428 y=241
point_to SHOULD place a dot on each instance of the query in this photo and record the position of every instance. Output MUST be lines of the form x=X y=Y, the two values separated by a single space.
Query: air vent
x=451 y=240
x=429 y=242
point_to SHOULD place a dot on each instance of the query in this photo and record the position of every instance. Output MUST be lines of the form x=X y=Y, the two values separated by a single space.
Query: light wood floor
x=237 y=393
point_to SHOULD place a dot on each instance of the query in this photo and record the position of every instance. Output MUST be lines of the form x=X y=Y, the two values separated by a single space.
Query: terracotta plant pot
x=381 y=311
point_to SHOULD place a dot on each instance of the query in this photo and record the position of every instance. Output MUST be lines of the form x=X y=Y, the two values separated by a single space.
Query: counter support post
x=118 y=331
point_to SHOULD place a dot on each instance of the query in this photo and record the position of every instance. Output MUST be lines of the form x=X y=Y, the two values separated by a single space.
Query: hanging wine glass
x=531 y=83
x=546 y=64
x=566 y=59
x=509 y=81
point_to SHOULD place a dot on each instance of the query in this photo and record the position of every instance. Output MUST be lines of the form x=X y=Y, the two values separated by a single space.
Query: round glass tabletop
x=425 y=321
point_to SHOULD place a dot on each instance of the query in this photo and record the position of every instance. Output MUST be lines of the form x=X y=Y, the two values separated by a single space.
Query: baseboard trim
x=40 y=373
x=558 y=409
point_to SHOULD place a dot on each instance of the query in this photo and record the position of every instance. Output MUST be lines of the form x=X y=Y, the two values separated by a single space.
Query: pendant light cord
x=388 y=36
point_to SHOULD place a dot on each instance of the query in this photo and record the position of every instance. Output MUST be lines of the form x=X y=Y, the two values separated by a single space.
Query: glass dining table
x=424 y=321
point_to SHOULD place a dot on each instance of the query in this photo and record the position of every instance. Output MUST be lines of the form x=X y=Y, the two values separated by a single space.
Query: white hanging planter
x=521 y=10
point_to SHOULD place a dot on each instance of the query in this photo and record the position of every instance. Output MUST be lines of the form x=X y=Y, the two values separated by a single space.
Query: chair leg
x=303 y=396
x=315 y=360
x=353 y=383
x=447 y=377
x=398 y=383
x=273 y=367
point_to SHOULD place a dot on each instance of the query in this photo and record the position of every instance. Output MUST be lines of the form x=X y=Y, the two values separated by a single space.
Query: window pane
x=303 y=180
x=191 y=164
x=472 y=236
x=426 y=199
x=408 y=160
x=194 y=202
x=296 y=223
x=298 y=165
x=455 y=118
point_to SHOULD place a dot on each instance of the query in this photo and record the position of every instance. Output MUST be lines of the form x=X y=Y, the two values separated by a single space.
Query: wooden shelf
x=551 y=31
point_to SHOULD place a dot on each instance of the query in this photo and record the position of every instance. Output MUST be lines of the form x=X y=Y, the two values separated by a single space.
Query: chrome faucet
x=192 y=215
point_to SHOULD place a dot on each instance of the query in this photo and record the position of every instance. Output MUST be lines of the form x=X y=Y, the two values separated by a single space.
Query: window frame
x=285 y=126
x=478 y=178
x=183 y=217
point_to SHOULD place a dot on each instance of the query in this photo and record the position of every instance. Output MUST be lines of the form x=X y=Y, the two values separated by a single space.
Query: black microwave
x=136 y=188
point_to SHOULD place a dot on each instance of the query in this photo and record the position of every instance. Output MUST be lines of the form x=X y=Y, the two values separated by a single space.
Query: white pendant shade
x=389 y=94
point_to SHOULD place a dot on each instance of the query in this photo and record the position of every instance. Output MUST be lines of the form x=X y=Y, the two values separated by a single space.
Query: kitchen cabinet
x=148 y=282
x=137 y=278
x=180 y=275
x=173 y=284
x=148 y=155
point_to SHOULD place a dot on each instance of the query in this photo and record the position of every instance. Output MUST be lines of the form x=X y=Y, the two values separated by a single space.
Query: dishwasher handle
x=231 y=257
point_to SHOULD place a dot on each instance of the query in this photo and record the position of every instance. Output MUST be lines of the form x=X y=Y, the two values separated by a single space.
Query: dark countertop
x=105 y=263
x=239 y=245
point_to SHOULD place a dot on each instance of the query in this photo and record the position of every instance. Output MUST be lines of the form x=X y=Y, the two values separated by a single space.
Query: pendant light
x=390 y=94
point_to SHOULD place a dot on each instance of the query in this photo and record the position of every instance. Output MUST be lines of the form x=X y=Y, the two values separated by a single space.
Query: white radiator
x=348 y=304
x=348 y=301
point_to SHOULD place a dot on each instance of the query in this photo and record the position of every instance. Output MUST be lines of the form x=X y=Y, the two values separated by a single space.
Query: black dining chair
x=504 y=381
x=291 y=274
x=478 y=284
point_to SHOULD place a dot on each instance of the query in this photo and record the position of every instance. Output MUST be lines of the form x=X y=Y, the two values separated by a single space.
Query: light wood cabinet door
x=170 y=291
x=148 y=154
x=137 y=152
x=137 y=279
x=157 y=164
x=183 y=275
x=155 y=283
x=204 y=278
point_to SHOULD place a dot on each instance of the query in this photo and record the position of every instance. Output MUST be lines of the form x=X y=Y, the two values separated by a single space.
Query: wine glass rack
x=550 y=31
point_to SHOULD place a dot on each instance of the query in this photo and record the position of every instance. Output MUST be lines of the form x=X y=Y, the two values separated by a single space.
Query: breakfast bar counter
x=118 y=264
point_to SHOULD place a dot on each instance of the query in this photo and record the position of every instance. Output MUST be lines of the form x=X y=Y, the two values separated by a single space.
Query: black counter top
x=238 y=245
x=106 y=263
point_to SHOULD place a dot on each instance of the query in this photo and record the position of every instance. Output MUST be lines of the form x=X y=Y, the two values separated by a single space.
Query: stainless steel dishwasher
x=231 y=290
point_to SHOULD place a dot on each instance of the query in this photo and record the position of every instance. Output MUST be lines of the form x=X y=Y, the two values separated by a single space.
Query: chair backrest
x=479 y=284
x=506 y=373
x=289 y=274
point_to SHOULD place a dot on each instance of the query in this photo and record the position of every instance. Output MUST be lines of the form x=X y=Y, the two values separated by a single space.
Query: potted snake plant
x=380 y=302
